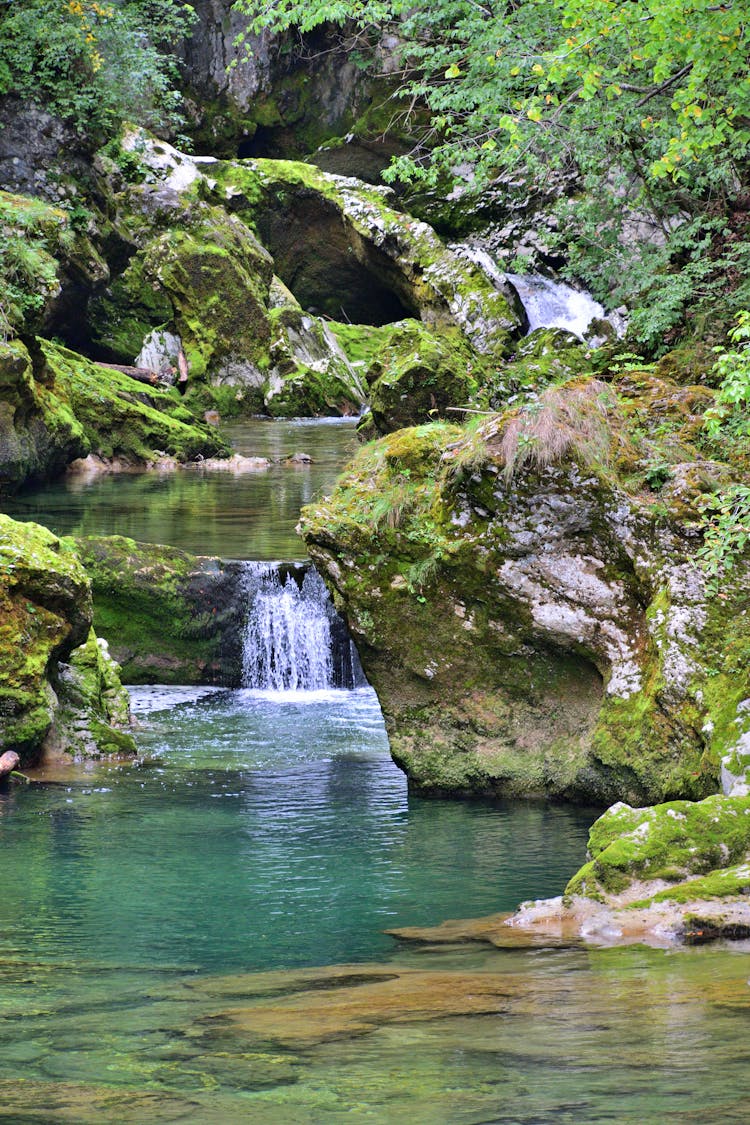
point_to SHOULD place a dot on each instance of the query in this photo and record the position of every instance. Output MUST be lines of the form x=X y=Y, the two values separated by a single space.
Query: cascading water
x=547 y=303
x=552 y=304
x=294 y=640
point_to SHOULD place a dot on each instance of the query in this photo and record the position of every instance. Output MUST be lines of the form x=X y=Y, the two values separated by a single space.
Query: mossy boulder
x=56 y=406
x=39 y=434
x=310 y=373
x=642 y=853
x=341 y=247
x=204 y=277
x=169 y=617
x=50 y=684
x=121 y=418
x=531 y=627
x=418 y=375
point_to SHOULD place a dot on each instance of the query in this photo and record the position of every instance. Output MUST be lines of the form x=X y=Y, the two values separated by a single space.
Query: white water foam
x=287 y=639
x=552 y=304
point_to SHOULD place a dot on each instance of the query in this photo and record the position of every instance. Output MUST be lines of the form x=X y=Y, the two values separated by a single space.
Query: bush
x=94 y=64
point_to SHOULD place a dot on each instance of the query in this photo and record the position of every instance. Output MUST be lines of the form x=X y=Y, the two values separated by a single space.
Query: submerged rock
x=60 y=693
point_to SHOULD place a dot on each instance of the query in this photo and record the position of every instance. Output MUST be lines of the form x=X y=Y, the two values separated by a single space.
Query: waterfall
x=293 y=638
x=552 y=304
x=547 y=303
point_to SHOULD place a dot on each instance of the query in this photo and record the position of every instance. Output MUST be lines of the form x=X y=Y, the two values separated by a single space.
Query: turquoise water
x=198 y=938
x=266 y=832
x=245 y=516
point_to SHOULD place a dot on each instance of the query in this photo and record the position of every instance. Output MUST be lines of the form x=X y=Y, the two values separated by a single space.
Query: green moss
x=419 y=375
x=205 y=278
x=45 y=616
x=163 y=611
x=128 y=310
x=39 y=434
x=672 y=842
x=118 y=417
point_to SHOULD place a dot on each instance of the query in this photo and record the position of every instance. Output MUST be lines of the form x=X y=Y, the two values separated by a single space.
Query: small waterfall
x=547 y=303
x=293 y=638
x=552 y=304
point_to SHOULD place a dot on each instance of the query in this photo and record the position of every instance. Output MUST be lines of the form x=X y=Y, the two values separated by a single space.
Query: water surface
x=242 y=516
x=165 y=931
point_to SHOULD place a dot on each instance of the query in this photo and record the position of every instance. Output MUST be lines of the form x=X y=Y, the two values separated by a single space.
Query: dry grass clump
x=579 y=419
x=575 y=420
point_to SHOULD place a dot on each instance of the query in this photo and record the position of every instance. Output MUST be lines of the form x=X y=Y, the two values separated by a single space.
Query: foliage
x=29 y=229
x=647 y=105
x=733 y=393
x=94 y=64
x=726 y=517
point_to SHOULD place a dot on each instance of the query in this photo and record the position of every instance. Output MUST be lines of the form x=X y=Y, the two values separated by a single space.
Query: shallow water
x=160 y=923
x=244 y=516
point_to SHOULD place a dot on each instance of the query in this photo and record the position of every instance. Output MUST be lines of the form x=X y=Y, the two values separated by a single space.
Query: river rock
x=169 y=617
x=55 y=677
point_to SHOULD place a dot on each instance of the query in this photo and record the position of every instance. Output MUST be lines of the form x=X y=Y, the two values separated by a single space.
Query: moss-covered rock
x=338 y=244
x=120 y=417
x=418 y=375
x=204 y=277
x=56 y=406
x=310 y=373
x=168 y=616
x=639 y=853
x=51 y=686
x=45 y=262
x=531 y=627
x=39 y=434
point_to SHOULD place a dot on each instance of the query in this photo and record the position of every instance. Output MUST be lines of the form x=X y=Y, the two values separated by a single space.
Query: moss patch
x=168 y=616
x=45 y=616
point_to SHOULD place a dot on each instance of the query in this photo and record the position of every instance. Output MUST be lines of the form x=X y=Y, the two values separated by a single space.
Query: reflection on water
x=270 y=832
x=246 y=516
x=158 y=926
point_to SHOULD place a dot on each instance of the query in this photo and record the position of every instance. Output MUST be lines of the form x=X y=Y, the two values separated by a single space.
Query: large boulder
x=59 y=692
x=532 y=627
x=310 y=373
x=343 y=250
x=419 y=375
x=56 y=407
x=169 y=617
x=38 y=436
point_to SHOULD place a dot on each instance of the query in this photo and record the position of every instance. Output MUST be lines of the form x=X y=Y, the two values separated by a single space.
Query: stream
x=200 y=937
